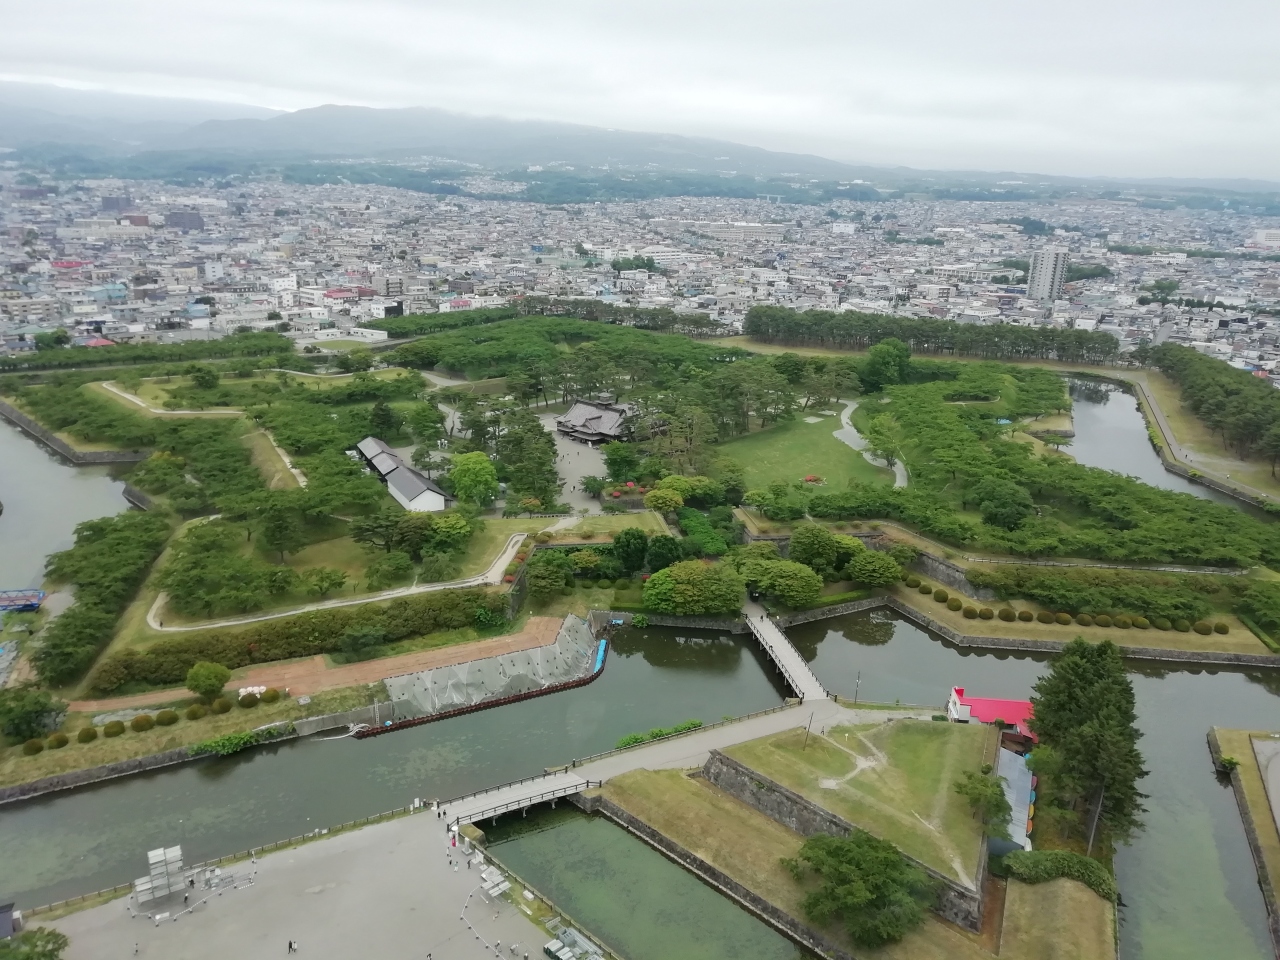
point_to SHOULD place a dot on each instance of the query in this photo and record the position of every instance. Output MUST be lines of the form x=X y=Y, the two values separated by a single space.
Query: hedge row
x=308 y=634
x=698 y=529
x=1040 y=866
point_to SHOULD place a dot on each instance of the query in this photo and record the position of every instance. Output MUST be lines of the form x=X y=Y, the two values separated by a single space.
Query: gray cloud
x=1136 y=88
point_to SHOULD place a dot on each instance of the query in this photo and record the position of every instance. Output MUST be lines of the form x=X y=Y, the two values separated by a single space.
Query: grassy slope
x=1235 y=743
x=790 y=451
x=748 y=846
x=1058 y=920
x=921 y=760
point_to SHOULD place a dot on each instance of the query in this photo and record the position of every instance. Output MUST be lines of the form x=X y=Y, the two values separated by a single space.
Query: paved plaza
x=387 y=890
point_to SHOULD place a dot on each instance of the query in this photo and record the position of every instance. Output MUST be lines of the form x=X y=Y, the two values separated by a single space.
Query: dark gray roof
x=372 y=446
x=591 y=418
x=401 y=477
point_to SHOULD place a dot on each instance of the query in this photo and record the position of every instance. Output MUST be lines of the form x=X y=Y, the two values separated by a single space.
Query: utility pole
x=1097 y=814
x=806 y=733
x=855 y=688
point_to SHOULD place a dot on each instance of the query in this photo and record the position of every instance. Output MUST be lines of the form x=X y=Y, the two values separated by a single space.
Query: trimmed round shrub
x=1182 y=626
x=1203 y=627
x=1102 y=620
x=1063 y=618
x=913 y=581
x=32 y=747
x=167 y=718
x=248 y=701
x=622 y=583
x=1044 y=616
x=197 y=711
x=986 y=613
x=270 y=695
x=566 y=591
x=1007 y=614
x=87 y=734
x=1162 y=623
x=542 y=537
x=1124 y=621
x=954 y=603
x=57 y=741
x=1084 y=620
x=1026 y=616
x=221 y=705
x=1221 y=627
x=925 y=588
x=142 y=723
x=113 y=729
x=971 y=613
x=1142 y=623
x=940 y=595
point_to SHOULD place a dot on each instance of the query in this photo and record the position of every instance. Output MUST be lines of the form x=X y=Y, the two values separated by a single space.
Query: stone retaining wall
x=59 y=446
x=784 y=923
x=80 y=778
x=691 y=623
x=956 y=903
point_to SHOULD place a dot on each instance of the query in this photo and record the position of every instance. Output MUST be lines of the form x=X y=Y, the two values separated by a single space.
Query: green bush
x=87 y=734
x=1203 y=627
x=1044 y=616
x=986 y=613
x=940 y=595
x=197 y=711
x=1142 y=623
x=248 y=701
x=622 y=584
x=221 y=705
x=970 y=612
x=113 y=729
x=1162 y=623
x=1040 y=866
x=913 y=581
x=566 y=591
x=1221 y=626
x=955 y=603
x=57 y=741
x=1007 y=614
x=167 y=718
x=1063 y=618
x=640 y=620
x=1102 y=620
x=142 y=723
x=270 y=695
x=1182 y=626
x=604 y=584
x=1025 y=616
x=1084 y=620
x=1124 y=621
x=32 y=747
x=925 y=588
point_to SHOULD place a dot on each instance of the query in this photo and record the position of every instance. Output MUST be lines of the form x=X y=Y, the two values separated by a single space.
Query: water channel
x=1188 y=881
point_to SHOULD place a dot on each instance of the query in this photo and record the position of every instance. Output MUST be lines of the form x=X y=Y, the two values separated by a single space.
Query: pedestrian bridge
x=516 y=795
x=784 y=654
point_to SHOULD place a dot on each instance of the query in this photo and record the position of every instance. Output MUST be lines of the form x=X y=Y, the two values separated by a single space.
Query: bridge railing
x=527 y=801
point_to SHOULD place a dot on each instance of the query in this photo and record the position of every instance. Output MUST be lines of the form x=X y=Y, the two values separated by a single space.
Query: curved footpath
x=849 y=435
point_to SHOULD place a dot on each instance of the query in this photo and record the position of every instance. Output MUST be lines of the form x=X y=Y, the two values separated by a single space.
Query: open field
x=17 y=768
x=748 y=846
x=583 y=601
x=269 y=462
x=892 y=779
x=1237 y=744
x=605 y=525
x=1058 y=920
x=1239 y=640
x=790 y=451
x=488 y=543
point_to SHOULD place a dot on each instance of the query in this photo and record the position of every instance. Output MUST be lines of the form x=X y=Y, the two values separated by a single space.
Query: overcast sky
x=1091 y=87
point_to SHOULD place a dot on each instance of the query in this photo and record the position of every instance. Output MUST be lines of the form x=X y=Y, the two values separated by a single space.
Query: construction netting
x=573 y=655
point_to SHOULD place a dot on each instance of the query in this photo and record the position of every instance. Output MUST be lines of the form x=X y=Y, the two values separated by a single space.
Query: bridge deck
x=784 y=654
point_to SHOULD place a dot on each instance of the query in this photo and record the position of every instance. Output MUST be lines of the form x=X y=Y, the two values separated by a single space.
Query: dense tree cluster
x=859 y=331
x=695 y=588
x=1111 y=591
x=239 y=345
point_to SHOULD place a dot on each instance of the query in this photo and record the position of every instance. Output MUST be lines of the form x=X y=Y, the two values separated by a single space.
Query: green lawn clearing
x=791 y=451
x=1058 y=920
x=892 y=779
x=269 y=461
x=485 y=546
x=604 y=526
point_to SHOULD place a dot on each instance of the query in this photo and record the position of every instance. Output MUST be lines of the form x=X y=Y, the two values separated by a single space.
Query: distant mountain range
x=34 y=115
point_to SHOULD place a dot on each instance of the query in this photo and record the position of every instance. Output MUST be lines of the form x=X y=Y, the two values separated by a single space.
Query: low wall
x=823 y=613
x=59 y=446
x=783 y=922
x=956 y=903
x=951 y=575
x=80 y=778
x=669 y=620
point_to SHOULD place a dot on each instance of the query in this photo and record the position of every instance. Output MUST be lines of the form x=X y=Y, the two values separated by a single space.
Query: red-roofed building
x=1014 y=713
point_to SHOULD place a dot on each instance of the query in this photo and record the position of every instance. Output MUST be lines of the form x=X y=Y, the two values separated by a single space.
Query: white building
x=1048 y=272
x=411 y=489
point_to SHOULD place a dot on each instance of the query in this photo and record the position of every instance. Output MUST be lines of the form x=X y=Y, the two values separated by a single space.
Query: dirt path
x=312 y=675
x=847 y=434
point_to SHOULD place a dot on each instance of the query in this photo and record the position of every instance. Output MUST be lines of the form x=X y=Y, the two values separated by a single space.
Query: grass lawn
x=790 y=451
x=150 y=398
x=1236 y=743
x=15 y=767
x=606 y=525
x=892 y=779
x=268 y=461
x=582 y=601
x=1058 y=920
x=1239 y=640
x=488 y=543
x=748 y=846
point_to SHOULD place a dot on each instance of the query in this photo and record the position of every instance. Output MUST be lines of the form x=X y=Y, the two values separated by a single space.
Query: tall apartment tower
x=1048 y=271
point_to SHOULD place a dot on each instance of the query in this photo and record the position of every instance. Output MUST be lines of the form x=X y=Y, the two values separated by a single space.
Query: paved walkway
x=849 y=435
x=312 y=675
x=490 y=577
x=784 y=654
x=387 y=890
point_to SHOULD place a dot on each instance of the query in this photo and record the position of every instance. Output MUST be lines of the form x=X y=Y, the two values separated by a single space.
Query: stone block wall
x=956 y=903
